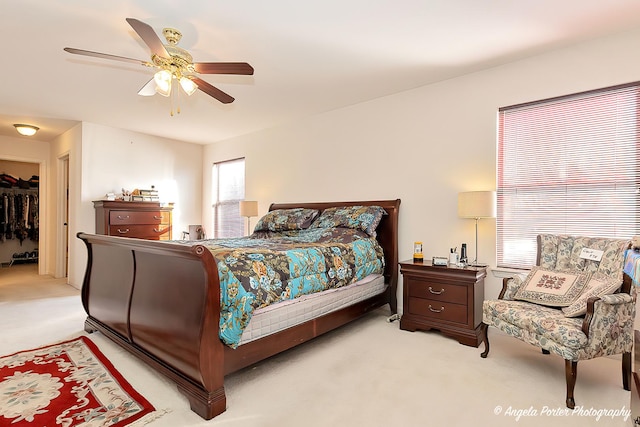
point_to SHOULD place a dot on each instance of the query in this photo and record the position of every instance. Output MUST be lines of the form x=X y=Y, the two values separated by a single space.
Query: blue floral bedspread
x=632 y=265
x=268 y=267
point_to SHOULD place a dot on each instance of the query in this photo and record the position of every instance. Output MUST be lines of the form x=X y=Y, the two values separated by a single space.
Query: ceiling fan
x=174 y=64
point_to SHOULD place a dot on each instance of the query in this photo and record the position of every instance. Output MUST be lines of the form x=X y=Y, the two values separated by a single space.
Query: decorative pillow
x=287 y=219
x=365 y=218
x=552 y=288
x=599 y=285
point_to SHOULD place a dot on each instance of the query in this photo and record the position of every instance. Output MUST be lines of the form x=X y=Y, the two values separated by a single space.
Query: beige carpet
x=369 y=373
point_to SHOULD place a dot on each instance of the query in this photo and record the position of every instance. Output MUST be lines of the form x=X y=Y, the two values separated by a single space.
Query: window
x=228 y=191
x=567 y=165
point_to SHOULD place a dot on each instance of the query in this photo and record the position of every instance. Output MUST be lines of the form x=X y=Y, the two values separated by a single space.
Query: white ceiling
x=309 y=56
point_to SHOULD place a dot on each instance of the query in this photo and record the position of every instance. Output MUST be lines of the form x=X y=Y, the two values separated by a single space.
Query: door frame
x=62 y=217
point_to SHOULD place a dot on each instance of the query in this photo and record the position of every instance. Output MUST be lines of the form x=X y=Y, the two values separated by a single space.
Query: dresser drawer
x=437 y=291
x=151 y=232
x=440 y=310
x=139 y=217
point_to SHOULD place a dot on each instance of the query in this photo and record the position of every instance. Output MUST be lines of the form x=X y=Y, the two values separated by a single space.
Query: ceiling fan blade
x=223 y=68
x=212 y=91
x=149 y=36
x=105 y=56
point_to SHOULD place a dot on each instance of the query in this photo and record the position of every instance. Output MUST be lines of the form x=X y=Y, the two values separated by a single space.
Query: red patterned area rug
x=67 y=384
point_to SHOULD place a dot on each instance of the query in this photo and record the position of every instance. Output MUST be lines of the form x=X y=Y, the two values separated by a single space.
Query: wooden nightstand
x=446 y=298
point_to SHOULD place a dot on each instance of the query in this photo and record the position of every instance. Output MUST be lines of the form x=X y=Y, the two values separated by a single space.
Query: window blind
x=228 y=187
x=567 y=165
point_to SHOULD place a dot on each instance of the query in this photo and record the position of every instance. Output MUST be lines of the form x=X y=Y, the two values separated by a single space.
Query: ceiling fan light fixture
x=163 y=82
x=188 y=85
x=26 y=130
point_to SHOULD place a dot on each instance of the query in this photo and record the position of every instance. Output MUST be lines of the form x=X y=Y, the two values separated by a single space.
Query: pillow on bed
x=365 y=218
x=287 y=219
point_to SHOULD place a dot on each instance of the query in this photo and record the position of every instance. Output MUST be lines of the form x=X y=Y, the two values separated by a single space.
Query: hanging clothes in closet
x=19 y=216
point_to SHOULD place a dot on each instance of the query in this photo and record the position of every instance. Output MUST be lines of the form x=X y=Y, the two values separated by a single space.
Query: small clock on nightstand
x=445 y=298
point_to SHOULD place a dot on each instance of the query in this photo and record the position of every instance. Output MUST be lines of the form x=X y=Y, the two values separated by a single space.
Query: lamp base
x=477 y=264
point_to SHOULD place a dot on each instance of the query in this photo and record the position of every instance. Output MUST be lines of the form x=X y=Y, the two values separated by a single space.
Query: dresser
x=446 y=298
x=142 y=220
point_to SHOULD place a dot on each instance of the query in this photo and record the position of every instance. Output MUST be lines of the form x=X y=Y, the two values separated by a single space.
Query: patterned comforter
x=269 y=267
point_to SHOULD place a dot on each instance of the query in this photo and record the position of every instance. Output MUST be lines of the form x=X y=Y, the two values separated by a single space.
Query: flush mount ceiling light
x=26 y=130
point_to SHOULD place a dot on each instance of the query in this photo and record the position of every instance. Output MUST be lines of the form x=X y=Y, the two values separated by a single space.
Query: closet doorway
x=62 y=226
x=19 y=213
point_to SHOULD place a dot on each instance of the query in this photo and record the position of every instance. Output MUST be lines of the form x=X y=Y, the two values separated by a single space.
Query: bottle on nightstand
x=463 y=254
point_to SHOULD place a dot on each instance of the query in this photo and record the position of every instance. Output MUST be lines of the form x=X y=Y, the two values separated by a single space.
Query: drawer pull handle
x=126 y=230
x=123 y=216
x=157 y=230
x=436 y=311
x=157 y=217
x=435 y=292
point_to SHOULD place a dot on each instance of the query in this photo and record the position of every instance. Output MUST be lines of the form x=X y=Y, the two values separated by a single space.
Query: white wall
x=112 y=159
x=422 y=146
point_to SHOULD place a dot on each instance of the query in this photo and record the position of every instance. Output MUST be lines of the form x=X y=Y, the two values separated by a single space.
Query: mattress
x=277 y=317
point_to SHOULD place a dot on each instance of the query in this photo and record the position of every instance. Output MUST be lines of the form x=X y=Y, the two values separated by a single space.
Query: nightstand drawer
x=441 y=292
x=438 y=310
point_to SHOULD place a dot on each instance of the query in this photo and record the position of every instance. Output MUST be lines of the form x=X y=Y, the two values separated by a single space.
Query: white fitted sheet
x=277 y=317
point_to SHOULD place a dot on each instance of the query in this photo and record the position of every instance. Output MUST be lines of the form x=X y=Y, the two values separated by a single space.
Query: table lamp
x=248 y=208
x=476 y=205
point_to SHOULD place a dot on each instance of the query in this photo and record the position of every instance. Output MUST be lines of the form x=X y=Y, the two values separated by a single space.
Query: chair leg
x=626 y=370
x=571 y=371
x=485 y=339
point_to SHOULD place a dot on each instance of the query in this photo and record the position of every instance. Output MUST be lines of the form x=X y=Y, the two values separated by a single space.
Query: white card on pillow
x=591 y=254
x=552 y=288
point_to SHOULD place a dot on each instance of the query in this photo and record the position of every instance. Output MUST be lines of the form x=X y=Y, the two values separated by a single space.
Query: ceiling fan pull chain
x=178 y=100
x=171 y=99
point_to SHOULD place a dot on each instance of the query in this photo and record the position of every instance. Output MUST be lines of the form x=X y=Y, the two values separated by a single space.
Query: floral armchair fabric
x=605 y=329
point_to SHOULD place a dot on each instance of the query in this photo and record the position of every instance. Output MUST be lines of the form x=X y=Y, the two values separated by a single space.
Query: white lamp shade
x=477 y=204
x=248 y=208
x=188 y=85
x=163 y=82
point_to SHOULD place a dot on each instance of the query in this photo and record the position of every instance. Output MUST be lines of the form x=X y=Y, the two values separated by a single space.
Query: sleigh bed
x=162 y=301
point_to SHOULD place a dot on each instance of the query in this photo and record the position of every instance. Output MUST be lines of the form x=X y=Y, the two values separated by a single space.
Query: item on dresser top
x=417 y=252
x=463 y=254
x=453 y=256
x=439 y=260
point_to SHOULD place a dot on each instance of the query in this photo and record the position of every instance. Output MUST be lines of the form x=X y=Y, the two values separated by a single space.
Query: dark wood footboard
x=161 y=302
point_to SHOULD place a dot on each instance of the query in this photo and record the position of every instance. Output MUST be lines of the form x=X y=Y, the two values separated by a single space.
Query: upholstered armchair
x=575 y=303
